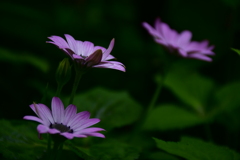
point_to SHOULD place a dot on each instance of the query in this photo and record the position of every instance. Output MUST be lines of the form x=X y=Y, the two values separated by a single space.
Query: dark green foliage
x=169 y=117
x=195 y=149
x=191 y=87
x=228 y=96
x=113 y=149
x=115 y=109
x=19 y=140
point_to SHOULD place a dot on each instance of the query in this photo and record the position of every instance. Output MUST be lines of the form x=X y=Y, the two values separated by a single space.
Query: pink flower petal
x=71 y=42
x=200 y=56
x=86 y=124
x=44 y=113
x=57 y=110
x=87 y=49
x=184 y=39
x=89 y=130
x=69 y=114
x=67 y=135
x=33 y=118
x=112 y=65
x=79 y=117
x=42 y=129
x=58 y=41
x=53 y=131
x=96 y=135
x=109 y=50
x=151 y=30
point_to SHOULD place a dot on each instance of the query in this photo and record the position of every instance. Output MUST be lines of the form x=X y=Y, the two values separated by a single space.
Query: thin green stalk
x=49 y=143
x=49 y=156
x=55 y=148
x=59 y=89
x=154 y=99
x=75 y=85
x=59 y=151
x=148 y=110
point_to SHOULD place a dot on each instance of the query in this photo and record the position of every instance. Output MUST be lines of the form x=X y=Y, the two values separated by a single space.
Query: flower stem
x=59 y=151
x=75 y=85
x=59 y=89
x=154 y=99
x=148 y=109
x=49 y=143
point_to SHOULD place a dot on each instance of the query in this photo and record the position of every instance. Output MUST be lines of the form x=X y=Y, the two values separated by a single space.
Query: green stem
x=55 y=148
x=148 y=110
x=154 y=99
x=49 y=154
x=59 y=89
x=49 y=143
x=59 y=151
x=75 y=85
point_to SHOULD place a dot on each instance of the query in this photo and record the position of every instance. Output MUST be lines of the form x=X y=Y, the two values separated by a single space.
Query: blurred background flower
x=179 y=44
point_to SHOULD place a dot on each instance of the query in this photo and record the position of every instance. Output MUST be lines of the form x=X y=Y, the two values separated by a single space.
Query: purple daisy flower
x=179 y=43
x=86 y=54
x=66 y=122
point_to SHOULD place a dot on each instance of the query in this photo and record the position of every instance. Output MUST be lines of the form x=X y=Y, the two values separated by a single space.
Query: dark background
x=28 y=63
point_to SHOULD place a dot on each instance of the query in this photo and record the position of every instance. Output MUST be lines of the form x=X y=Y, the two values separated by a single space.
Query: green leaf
x=19 y=140
x=112 y=149
x=195 y=149
x=236 y=50
x=169 y=116
x=189 y=86
x=163 y=156
x=227 y=100
x=115 y=109
x=79 y=149
x=228 y=97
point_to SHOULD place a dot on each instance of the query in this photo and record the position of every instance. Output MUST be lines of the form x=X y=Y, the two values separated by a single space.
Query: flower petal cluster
x=66 y=122
x=86 y=54
x=179 y=43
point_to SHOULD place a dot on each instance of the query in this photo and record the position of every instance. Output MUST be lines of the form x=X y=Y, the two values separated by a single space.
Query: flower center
x=62 y=128
x=83 y=56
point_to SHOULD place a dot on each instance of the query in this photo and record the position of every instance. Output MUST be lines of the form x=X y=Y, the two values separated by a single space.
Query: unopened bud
x=63 y=73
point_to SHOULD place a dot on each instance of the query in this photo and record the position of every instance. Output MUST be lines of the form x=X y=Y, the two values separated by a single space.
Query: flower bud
x=63 y=73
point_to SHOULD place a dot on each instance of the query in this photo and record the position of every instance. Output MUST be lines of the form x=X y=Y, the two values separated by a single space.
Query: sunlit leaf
x=195 y=149
x=168 y=116
x=115 y=109
x=236 y=50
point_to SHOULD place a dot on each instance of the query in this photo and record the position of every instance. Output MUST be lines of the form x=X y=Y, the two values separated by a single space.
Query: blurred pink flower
x=86 y=54
x=179 y=43
x=66 y=122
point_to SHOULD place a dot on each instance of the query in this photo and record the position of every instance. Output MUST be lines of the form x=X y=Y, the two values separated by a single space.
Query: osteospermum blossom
x=179 y=43
x=66 y=122
x=86 y=54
